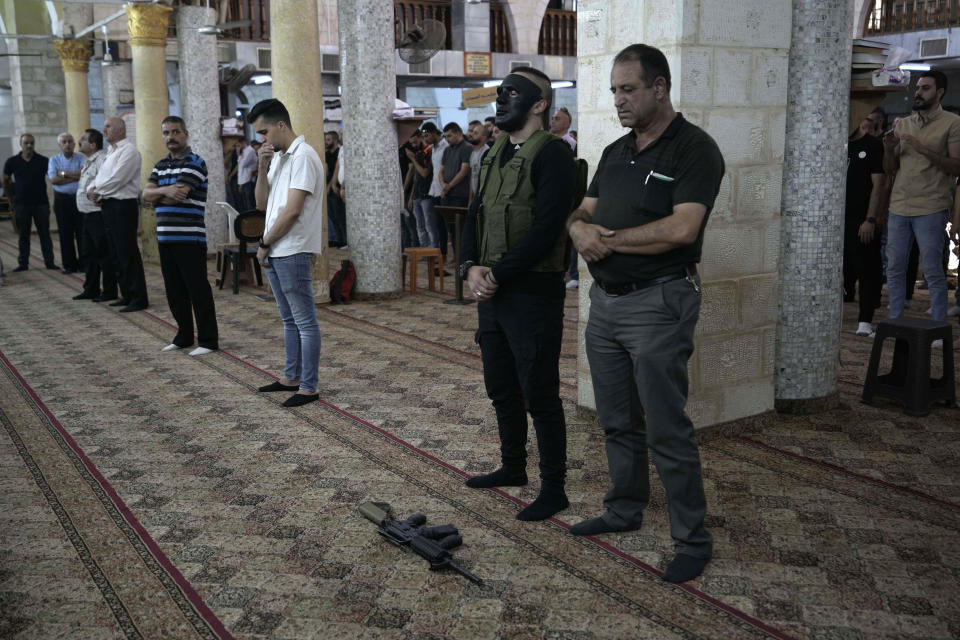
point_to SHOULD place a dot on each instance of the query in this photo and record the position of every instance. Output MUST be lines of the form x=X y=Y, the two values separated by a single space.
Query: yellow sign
x=477 y=64
x=479 y=96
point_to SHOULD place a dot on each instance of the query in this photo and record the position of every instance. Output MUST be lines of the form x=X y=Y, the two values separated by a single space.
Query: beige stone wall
x=729 y=69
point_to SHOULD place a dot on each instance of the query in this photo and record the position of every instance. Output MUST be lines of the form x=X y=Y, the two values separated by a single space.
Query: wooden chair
x=248 y=227
x=434 y=259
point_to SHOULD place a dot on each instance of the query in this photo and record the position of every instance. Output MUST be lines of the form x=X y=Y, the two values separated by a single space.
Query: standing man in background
x=64 y=172
x=246 y=165
x=178 y=188
x=96 y=244
x=116 y=189
x=27 y=191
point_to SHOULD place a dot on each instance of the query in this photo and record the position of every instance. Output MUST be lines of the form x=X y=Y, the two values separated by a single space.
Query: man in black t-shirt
x=27 y=191
x=455 y=178
x=866 y=185
x=640 y=229
x=336 y=209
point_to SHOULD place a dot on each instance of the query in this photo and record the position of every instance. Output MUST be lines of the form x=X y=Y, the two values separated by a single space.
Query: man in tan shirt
x=923 y=153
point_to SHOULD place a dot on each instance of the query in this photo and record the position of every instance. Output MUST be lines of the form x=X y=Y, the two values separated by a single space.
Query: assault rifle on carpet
x=430 y=543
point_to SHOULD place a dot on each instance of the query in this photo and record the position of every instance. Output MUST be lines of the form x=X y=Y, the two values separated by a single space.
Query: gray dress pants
x=638 y=346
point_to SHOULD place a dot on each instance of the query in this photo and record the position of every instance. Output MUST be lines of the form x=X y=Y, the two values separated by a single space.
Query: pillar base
x=807 y=406
x=374 y=296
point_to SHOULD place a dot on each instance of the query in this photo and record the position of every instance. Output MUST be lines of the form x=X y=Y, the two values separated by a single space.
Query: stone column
x=116 y=78
x=373 y=189
x=200 y=107
x=295 y=59
x=814 y=182
x=75 y=58
x=147 y=24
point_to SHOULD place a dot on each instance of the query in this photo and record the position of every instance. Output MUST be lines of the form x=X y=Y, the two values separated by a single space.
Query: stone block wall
x=38 y=94
x=728 y=64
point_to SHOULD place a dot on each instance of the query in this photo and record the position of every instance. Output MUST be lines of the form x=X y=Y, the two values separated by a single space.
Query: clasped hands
x=481 y=282
x=174 y=193
x=589 y=240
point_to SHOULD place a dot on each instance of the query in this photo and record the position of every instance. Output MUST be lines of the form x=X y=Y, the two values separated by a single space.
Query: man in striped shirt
x=178 y=188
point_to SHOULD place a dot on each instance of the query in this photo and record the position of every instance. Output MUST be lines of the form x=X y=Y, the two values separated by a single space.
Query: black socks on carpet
x=502 y=477
x=549 y=502
x=683 y=568
x=300 y=399
x=276 y=386
x=595 y=526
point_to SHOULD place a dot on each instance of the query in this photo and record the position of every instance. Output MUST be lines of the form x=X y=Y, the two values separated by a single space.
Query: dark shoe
x=68 y=271
x=683 y=568
x=276 y=386
x=84 y=296
x=103 y=298
x=20 y=268
x=595 y=526
x=300 y=399
x=500 y=478
x=548 y=503
x=120 y=303
x=130 y=308
x=52 y=267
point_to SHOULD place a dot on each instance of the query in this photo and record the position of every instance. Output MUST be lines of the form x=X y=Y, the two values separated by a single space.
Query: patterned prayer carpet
x=159 y=496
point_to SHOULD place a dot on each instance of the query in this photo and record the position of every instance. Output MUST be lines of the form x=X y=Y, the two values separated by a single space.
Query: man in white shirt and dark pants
x=290 y=188
x=116 y=189
x=246 y=165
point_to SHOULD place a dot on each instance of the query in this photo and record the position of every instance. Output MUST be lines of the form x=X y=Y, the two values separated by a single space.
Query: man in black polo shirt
x=28 y=194
x=455 y=177
x=640 y=229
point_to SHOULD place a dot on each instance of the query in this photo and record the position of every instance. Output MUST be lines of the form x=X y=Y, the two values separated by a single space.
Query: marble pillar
x=814 y=183
x=75 y=58
x=372 y=181
x=200 y=107
x=117 y=80
x=295 y=60
x=147 y=25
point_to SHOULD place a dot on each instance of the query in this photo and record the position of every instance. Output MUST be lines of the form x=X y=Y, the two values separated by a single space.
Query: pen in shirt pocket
x=657 y=176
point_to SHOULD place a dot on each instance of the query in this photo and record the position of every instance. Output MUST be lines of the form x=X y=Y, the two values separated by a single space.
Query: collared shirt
x=29 y=178
x=298 y=168
x=182 y=222
x=59 y=163
x=454 y=157
x=920 y=187
x=436 y=189
x=87 y=174
x=119 y=177
x=635 y=188
x=246 y=164
x=570 y=140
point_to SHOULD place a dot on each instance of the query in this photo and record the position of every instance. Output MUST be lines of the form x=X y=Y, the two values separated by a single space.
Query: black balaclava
x=512 y=112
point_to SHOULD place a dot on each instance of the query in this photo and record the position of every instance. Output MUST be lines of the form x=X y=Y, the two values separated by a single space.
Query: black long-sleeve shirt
x=552 y=174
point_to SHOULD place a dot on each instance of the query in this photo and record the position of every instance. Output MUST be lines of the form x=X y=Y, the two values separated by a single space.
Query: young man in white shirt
x=290 y=188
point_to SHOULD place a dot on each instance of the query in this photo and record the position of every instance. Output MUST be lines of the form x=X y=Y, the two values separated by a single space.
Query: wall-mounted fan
x=422 y=42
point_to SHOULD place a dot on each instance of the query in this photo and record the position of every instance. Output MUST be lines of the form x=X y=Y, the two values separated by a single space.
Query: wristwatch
x=262 y=245
x=465 y=268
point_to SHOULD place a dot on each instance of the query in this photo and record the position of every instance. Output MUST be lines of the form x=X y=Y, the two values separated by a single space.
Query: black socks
x=502 y=477
x=595 y=526
x=684 y=567
x=549 y=502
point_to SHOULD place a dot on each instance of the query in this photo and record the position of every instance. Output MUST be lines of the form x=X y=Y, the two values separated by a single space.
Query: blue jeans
x=928 y=230
x=291 y=278
x=423 y=213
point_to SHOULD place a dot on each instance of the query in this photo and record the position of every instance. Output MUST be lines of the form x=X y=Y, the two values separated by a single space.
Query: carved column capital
x=74 y=54
x=148 y=23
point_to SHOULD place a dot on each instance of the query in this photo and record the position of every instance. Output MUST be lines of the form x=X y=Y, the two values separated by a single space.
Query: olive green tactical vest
x=508 y=202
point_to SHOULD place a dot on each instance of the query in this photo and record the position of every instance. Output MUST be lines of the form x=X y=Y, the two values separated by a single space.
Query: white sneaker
x=864 y=329
x=201 y=351
x=170 y=347
x=937 y=344
x=930 y=311
x=953 y=311
x=573 y=284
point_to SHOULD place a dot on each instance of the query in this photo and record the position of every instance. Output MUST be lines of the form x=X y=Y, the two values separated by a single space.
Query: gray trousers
x=638 y=346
